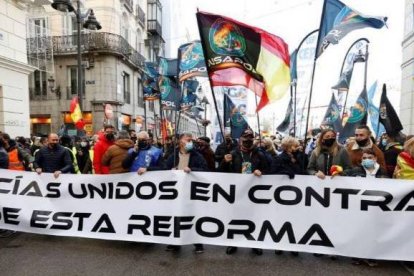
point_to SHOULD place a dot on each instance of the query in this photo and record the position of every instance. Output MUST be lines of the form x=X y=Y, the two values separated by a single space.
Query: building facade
x=407 y=87
x=14 y=69
x=112 y=60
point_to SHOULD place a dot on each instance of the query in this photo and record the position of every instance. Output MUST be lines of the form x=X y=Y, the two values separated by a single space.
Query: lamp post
x=91 y=23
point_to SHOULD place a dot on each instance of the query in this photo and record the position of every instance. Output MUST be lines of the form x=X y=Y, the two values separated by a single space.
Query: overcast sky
x=293 y=19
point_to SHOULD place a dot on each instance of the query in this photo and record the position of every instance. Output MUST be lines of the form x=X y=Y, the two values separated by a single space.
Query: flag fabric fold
x=332 y=117
x=76 y=113
x=387 y=115
x=287 y=122
x=338 y=20
x=150 y=82
x=191 y=62
x=239 y=54
x=234 y=117
x=167 y=67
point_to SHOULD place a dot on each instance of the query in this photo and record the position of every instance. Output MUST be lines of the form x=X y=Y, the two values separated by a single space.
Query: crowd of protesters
x=111 y=152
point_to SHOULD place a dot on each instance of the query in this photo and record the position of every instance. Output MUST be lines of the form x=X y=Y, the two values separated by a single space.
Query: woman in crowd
x=327 y=154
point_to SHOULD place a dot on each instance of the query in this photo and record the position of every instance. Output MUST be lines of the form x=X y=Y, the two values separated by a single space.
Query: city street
x=28 y=254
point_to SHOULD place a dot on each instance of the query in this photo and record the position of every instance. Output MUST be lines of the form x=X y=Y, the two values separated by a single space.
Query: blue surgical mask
x=384 y=142
x=189 y=146
x=368 y=163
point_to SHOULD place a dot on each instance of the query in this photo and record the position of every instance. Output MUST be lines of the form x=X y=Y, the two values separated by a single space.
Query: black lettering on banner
x=267 y=227
x=229 y=197
x=311 y=193
x=316 y=229
x=110 y=190
x=52 y=188
x=256 y=188
x=84 y=193
x=129 y=190
x=17 y=184
x=39 y=216
x=108 y=228
x=5 y=180
x=101 y=192
x=35 y=190
x=64 y=219
x=159 y=223
x=170 y=193
x=382 y=204
x=404 y=202
x=81 y=216
x=178 y=225
x=296 y=200
x=198 y=190
x=11 y=215
x=345 y=193
x=202 y=232
x=247 y=233
x=143 y=227
x=144 y=184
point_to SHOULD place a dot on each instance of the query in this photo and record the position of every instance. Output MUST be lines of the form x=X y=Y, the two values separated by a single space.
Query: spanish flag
x=76 y=113
x=239 y=54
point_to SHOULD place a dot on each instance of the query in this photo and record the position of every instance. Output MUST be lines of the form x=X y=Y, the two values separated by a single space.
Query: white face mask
x=84 y=144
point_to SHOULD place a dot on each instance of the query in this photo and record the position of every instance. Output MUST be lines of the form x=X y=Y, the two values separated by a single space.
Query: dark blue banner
x=191 y=62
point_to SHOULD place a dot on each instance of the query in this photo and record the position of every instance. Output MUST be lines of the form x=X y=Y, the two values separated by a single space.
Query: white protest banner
x=358 y=217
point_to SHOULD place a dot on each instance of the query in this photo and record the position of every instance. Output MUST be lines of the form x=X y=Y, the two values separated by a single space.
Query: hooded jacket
x=116 y=154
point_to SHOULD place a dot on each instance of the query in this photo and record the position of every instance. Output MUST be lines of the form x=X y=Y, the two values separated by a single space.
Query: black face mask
x=362 y=143
x=110 y=136
x=53 y=145
x=328 y=142
x=247 y=143
x=142 y=145
x=134 y=139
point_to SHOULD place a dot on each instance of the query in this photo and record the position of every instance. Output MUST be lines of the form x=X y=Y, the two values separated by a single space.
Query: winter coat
x=99 y=149
x=208 y=155
x=360 y=171
x=51 y=160
x=324 y=161
x=4 y=159
x=116 y=154
x=355 y=154
x=257 y=159
x=282 y=164
x=84 y=160
x=222 y=150
x=148 y=158
x=196 y=162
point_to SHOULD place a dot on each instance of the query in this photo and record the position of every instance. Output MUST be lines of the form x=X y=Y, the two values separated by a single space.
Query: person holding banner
x=117 y=153
x=4 y=157
x=224 y=148
x=247 y=159
x=327 y=153
x=188 y=159
x=369 y=166
x=105 y=140
x=203 y=147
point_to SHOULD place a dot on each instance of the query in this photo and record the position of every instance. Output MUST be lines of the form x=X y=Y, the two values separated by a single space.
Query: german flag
x=239 y=54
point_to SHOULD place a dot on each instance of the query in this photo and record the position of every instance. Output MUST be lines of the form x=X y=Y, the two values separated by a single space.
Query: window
x=140 y=93
x=40 y=83
x=73 y=81
x=127 y=94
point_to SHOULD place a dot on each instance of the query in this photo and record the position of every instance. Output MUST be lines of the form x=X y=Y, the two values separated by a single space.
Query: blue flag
x=332 y=117
x=150 y=83
x=168 y=67
x=234 y=117
x=170 y=93
x=191 y=62
x=373 y=111
x=188 y=100
x=338 y=20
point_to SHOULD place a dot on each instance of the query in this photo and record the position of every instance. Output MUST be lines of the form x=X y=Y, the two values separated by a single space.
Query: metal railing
x=128 y=5
x=153 y=26
x=140 y=16
x=36 y=94
x=96 y=42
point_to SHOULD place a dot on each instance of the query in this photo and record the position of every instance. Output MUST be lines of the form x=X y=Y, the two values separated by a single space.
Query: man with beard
x=105 y=140
x=53 y=158
x=247 y=159
x=362 y=142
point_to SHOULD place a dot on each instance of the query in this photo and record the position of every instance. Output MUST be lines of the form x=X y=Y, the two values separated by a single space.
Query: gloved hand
x=291 y=175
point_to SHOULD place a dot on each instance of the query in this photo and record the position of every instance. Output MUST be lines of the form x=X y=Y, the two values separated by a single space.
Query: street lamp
x=91 y=23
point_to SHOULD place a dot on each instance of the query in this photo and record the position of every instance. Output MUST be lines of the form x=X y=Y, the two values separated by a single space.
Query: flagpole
x=258 y=119
x=145 y=115
x=293 y=87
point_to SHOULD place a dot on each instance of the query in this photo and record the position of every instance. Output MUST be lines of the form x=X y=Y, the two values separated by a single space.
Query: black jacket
x=258 y=160
x=222 y=150
x=283 y=164
x=196 y=162
x=360 y=171
x=51 y=160
x=4 y=159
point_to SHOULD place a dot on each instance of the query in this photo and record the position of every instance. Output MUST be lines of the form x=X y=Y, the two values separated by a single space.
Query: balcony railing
x=154 y=27
x=96 y=42
x=140 y=16
x=71 y=92
x=128 y=5
x=35 y=94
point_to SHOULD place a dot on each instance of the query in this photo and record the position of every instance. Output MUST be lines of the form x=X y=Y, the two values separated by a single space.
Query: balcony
x=154 y=27
x=101 y=42
x=128 y=5
x=140 y=16
x=36 y=95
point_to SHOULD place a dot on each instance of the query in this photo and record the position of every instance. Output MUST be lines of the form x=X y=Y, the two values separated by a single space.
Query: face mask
x=247 y=143
x=110 y=136
x=188 y=146
x=368 y=163
x=384 y=143
x=84 y=144
x=228 y=141
x=53 y=145
x=328 y=142
x=142 y=144
x=362 y=143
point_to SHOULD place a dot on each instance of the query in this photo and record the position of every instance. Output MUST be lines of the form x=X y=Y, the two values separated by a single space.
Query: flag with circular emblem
x=239 y=54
